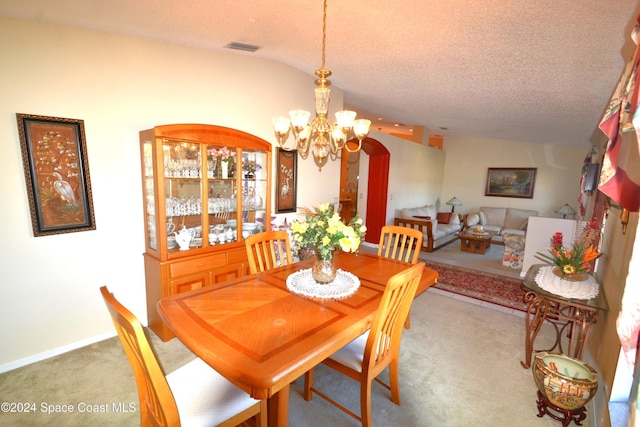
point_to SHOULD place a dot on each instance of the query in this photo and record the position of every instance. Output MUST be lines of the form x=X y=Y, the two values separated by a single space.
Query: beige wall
x=118 y=86
x=557 y=179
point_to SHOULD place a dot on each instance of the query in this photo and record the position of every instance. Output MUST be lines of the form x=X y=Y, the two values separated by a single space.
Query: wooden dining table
x=261 y=336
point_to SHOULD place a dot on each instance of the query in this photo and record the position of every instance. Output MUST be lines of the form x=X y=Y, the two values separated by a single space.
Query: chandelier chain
x=324 y=32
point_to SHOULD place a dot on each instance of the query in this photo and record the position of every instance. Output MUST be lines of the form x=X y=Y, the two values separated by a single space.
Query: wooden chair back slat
x=267 y=250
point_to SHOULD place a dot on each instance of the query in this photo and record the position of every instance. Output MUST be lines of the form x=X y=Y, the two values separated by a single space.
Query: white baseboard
x=54 y=352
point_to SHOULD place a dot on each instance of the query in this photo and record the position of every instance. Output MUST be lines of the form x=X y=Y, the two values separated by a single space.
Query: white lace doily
x=579 y=290
x=344 y=285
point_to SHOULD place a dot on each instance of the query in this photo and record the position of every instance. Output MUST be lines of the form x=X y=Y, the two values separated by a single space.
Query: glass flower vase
x=323 y=271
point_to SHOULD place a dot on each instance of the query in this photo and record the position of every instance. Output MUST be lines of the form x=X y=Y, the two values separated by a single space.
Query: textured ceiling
x=534 y=71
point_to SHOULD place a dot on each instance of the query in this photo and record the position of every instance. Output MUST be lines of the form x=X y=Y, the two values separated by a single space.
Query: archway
x=377 y=188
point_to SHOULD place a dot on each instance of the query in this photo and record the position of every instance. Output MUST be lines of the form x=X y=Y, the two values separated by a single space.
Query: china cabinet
x=205 y=189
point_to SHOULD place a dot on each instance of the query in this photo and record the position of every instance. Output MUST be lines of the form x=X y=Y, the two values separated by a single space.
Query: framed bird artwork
x=56 y=168
x=286 y=181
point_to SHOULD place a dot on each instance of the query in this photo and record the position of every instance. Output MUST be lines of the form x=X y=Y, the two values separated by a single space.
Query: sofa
x=501 y=220
x=438 y=228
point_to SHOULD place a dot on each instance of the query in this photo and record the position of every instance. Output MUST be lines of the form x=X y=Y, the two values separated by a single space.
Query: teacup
x=171 y=227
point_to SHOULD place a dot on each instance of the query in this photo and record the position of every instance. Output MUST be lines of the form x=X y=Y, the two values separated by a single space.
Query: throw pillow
x=444 y=217
x=473 y=219
x=483 y=218
x=428 y=210
x=409 y=213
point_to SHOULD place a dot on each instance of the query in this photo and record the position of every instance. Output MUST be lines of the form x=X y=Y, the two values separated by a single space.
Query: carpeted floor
x=459 y=366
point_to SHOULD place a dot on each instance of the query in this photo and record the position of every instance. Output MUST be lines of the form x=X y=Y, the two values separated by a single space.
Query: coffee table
x=476 y=243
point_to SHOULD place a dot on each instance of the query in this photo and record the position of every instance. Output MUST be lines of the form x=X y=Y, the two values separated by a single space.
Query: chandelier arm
x=285 y=148
x=346 y=146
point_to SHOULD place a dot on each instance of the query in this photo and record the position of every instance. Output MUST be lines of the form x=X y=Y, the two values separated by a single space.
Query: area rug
x=500 y=290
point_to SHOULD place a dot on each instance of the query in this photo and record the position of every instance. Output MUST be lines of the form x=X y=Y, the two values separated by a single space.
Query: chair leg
x=261 y=418
x=308 y=384
x=407 y=322
x=365 y=402
x=394 y=386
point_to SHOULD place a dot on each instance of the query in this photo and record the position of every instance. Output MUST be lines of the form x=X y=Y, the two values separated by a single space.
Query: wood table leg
x=534 y=318
x=278 y=408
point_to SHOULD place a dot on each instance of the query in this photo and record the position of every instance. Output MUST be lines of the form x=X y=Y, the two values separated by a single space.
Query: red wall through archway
x=377 y=188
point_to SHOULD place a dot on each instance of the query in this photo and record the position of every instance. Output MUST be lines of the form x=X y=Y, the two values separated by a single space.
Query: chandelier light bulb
x=299 y=118
x=361 y=128
x=281 y=125
x=345 y=119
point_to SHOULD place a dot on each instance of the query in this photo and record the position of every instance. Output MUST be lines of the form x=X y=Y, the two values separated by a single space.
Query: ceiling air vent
x=242 y=46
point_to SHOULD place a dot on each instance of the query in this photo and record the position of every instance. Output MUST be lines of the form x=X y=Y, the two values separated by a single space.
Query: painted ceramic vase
x=566 y=382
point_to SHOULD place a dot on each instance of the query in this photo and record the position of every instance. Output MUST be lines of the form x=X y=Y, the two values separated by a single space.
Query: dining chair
x=268 y=250
x=192 y=395
x=401 y=243
x=364 y=358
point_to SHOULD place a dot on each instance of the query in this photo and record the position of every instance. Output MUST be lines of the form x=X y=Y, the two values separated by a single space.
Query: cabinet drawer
x=199 y=264
x=188 y=283
x=236 y=256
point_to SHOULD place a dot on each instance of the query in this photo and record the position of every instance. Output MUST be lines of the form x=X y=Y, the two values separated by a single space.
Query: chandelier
x=323 y=137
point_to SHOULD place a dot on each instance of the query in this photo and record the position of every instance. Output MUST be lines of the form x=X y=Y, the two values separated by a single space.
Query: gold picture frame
x=511 y=182
x=56 y=169
x=286 y=181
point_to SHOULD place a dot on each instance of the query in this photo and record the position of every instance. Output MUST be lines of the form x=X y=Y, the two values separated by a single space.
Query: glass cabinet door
x=222 y=195
x=182 y=195
x=148 y=183
x=237 y=186
x=254 y=192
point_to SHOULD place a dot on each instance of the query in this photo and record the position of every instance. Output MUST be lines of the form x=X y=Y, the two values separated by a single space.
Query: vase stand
x=565 y=416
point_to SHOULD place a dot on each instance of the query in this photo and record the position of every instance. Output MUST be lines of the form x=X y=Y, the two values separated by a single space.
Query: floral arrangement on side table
x=577 y=262
x=325 y=230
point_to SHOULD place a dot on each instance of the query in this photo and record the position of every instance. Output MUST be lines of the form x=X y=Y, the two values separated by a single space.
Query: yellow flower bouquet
x=325 y=230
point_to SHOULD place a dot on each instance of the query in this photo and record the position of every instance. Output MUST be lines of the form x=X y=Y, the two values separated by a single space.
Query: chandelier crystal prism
x=324 y=138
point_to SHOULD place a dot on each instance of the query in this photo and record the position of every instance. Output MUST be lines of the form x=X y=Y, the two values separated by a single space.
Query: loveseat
x=438 y=228
x=501 y=220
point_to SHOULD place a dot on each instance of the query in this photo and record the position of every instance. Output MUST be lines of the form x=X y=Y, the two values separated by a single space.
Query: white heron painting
x=57 y=170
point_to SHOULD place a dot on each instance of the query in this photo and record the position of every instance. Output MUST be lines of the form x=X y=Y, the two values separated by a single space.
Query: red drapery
x=620 y=178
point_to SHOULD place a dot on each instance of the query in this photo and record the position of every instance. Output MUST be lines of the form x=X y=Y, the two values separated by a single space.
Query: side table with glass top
x=571 y=318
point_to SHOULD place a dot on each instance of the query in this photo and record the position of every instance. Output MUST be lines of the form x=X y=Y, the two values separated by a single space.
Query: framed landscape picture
x=511 y=182
x=56 y=169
